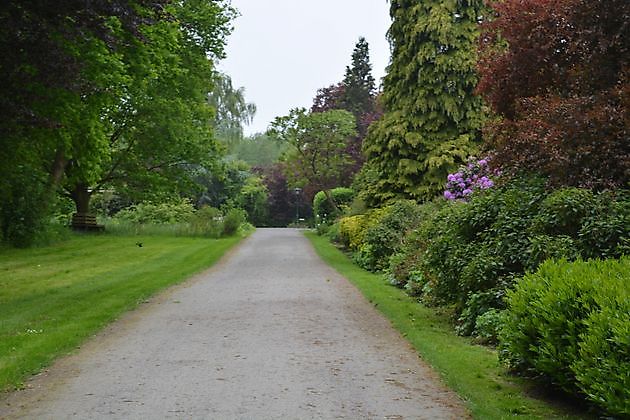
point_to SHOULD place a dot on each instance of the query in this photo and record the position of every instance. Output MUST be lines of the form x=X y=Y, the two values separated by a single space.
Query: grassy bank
x=53 y=298
x=471 y=370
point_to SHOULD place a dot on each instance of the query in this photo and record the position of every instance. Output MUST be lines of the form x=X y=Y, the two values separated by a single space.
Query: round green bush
x=569 y=323
x=233 y=220
x=323 y=209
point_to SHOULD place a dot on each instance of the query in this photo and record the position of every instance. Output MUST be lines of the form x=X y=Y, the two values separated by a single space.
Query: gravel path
x=271 y=332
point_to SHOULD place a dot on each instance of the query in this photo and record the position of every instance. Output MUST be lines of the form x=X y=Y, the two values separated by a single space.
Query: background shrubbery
x=324 y=211
x=178 y=218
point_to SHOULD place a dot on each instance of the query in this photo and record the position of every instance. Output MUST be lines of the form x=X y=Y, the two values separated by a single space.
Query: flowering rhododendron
x=473 y=176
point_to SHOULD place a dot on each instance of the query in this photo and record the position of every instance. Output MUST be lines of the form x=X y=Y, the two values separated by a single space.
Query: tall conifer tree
x=358 y=82
x=432 y=118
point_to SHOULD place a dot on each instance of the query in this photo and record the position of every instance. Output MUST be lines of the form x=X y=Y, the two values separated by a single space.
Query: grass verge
x=470 y=370
x=53 y=298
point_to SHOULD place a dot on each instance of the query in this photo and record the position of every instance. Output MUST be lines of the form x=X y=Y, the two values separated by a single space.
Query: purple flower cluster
x=471 y=177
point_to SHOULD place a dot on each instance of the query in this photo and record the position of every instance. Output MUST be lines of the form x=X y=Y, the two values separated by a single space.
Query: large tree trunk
x=83 y=219
x=58 y=168
x=81 y=197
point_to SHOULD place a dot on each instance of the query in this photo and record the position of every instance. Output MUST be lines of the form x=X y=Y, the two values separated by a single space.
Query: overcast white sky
x=282 y=51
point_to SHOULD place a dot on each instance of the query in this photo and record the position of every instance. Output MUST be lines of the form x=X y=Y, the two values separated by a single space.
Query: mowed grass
x=53 y=298
x=470 y=370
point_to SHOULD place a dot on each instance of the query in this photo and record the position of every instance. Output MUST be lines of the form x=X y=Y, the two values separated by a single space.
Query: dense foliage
x=103 y=94
x=324 y=211
x=432 y=118
x=317 y=150
x=568 y=324
x=283 y=204
x=357 y=95
x=469 y=254
x=551 y=186
x=178 y=218
x=556 y=73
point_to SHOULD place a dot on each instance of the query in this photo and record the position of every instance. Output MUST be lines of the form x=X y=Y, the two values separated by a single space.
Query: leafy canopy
x=317 y=141
x=556 y=73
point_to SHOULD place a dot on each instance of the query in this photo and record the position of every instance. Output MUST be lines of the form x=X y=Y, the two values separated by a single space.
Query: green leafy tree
x=259 y=150
x=60 y=69
x=253 y=199
x=232 y=111
x=222 y=185
x=318 y=152
x=160 y=128
x=356 y=94
x=432 y=118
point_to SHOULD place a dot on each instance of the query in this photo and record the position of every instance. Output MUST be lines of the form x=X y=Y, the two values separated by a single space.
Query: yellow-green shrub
x=352 y=231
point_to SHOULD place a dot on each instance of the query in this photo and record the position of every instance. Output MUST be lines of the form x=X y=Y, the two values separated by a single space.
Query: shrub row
x=374 y=236
x=566 y=323
x=179 y=218
x=469 y=254
x=569 y=323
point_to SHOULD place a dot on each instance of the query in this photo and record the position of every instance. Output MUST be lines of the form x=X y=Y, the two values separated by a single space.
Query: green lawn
x=53 y=298
x=470 y=370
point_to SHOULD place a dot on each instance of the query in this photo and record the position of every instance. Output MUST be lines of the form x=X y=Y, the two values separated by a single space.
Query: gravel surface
x=271 y=332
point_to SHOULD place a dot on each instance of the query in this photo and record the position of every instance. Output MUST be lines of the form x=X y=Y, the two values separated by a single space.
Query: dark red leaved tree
x=557 y=73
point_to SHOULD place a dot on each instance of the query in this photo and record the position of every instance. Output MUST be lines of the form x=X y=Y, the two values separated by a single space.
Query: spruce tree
x=359 y=85
x=432 y=117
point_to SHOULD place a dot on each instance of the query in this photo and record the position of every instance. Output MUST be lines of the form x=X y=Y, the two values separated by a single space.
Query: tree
x=253 y=199
x=432 y=118
x=355 y=94
x=59 y=68
x=317 y=141
x=106 y=93
x=221 y=186
x=556 y=74
x=280 y=201
x=259 y=150
x=232 y=111
x=160 y=128
x=359 y=86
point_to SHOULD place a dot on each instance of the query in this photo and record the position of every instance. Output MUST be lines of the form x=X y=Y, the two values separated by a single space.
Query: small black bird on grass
x=139 y=244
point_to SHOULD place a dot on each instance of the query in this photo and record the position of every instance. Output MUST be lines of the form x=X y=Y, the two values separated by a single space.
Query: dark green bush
x=469 y=248
x=323 y=210
x=24 y=207
x=232 y=220
x=563 y=211
x=606 y=234
x=569 y=324
x=384 y=237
